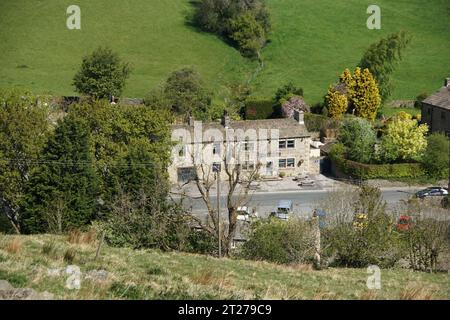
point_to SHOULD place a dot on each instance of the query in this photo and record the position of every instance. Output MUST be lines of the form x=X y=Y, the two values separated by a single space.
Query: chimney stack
x=191 y=121
x=447 y=82
x=226 y=119
x=299 y=116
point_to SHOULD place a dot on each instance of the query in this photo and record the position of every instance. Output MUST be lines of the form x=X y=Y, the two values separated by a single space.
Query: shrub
x=280 y=242
x=287 y=91
x=315 y=122
x=359 y=138
x=435 y=159
x=403 y=140
x=375 y=243
x=376 y=171
x=102 y=74
x=258 y=108
x=49 y=248
x=426 y=240
x=70 y=255
x=419 y=99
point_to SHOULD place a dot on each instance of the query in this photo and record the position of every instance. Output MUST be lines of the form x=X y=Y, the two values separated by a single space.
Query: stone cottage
x=271 y=147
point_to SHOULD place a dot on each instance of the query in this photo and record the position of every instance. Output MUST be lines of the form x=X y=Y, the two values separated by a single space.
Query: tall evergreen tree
x=62 y=191
x=382 y=57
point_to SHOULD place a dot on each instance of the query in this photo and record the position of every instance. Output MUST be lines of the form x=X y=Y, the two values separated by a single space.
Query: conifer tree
x=61 y=193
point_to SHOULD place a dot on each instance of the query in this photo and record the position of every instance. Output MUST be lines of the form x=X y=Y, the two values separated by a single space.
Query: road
x=304 y=201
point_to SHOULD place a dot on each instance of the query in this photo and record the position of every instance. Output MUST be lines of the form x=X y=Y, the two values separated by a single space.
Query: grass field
x=312 y=42
x=25 y=261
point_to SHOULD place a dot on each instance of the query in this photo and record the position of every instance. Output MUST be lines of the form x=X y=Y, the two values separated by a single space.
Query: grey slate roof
x=440 y=98
x=289 y=128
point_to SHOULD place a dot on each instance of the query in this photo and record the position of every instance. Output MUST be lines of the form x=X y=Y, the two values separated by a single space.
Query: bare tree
x=238 y=185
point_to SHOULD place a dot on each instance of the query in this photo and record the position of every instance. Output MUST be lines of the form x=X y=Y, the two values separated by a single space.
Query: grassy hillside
x=312 y=42
x=34 y=261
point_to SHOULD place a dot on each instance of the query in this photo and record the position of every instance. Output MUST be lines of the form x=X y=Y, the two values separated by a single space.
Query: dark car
x=432 y=192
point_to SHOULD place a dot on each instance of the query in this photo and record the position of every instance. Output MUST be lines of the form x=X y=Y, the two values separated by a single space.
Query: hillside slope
x=38 y=262
x=312 y=42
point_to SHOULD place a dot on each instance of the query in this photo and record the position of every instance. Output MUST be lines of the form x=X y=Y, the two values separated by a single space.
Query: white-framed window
x=216 y=148
x=286 y=163
x=290 y=162
x=248 y=165
x=182 y=150
x=248 y=146
x=282 y=144
x=290 y=143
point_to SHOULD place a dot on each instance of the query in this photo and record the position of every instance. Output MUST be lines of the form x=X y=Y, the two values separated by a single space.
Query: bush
x=419 y=99
x=315 y=122
x=435 y=159
x=280 y=242
x=374 y=242
x=359 y=138
x=256 y=109
x=376 y=171
x=426 y=241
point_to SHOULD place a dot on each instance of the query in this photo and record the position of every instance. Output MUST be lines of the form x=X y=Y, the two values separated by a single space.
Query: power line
x=71 y=163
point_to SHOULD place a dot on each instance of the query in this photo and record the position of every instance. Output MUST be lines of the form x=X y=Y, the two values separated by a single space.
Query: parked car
x=245 y=214
x=432 y=192
x=404 y=223
x=284 y=209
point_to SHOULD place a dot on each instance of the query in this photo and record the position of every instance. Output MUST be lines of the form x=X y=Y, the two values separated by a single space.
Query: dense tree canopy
x=102 y=74
x=245 y=22
x=24 y=129
x=62 y=191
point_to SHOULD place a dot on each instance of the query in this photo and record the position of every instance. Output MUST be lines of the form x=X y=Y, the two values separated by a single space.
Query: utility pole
x=217 y=169
x=448 y=134
x=218 y=213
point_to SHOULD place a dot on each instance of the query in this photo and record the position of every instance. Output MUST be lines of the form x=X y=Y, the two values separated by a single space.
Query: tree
x=248 y=34
x=436 y=157
x=126 y=142
x=336 y=102
x=238 y=182
x=403 y=140
x=365 y=97
x=359 y=138
x=24 y=129
x=102 y=74
x=188 y=97
x=62 y=191
x=244 y=22
x=382 y=57
x=361 y=92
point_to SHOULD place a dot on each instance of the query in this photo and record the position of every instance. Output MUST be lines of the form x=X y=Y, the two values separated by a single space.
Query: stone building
x=270 y=147
x=436 y=110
